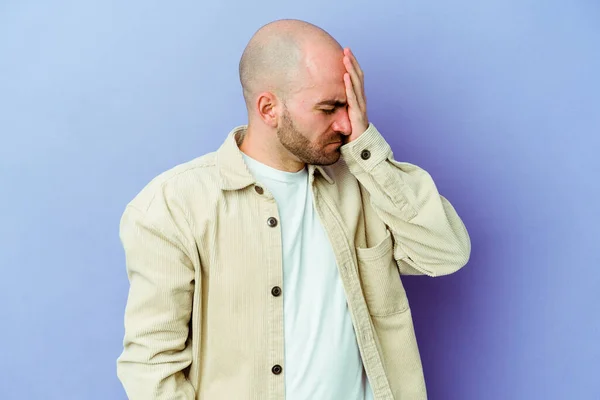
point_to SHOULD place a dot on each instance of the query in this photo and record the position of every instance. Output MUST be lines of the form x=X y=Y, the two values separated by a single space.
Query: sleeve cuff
x=367 y=151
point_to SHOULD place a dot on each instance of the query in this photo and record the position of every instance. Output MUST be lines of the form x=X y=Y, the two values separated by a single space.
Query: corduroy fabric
x=203 y=254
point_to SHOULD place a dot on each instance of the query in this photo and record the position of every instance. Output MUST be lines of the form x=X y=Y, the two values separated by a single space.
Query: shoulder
x=178 y=183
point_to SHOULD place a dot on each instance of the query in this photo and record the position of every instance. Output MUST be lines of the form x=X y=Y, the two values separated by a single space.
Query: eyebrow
x=335 y=103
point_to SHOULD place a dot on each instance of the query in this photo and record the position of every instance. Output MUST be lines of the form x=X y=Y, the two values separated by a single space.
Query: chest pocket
x=380 y=278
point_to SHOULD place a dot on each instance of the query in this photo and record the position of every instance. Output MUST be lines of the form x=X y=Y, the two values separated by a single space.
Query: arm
x=429 y=236
x=161 y=274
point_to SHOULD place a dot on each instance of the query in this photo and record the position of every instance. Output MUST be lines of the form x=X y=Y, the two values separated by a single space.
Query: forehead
x=324 y=76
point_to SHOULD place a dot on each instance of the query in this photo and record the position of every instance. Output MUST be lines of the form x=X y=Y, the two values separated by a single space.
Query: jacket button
x=276 y=291
x=276 y=369
x=365 y=154
x=259 y=190
x=272 y=222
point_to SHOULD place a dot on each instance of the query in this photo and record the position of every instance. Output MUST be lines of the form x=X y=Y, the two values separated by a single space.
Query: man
x=269 y=269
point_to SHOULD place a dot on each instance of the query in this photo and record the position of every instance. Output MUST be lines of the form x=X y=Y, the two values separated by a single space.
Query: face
x=308 y=147
x=314 y=123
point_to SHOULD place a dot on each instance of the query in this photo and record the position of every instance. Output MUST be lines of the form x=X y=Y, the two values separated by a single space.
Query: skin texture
x=304 y=94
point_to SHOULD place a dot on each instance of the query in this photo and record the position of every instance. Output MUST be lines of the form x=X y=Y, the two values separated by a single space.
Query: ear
x=267 y=107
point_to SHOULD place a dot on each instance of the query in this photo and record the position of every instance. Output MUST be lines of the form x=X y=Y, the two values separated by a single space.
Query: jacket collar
x=233 y=170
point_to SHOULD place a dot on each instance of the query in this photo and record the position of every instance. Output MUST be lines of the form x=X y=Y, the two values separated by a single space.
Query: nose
x=342 y=122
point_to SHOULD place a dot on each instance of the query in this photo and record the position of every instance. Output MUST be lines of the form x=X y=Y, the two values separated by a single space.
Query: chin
x=329 y=159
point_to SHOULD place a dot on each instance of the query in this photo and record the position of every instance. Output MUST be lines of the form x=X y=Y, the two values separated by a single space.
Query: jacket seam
x=162 y=184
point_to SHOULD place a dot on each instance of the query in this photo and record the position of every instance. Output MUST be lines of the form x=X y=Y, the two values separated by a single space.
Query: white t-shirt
x=322 y=359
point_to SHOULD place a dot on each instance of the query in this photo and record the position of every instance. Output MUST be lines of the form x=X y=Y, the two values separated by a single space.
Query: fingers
x=356 y=114
x=355 y=63
x=356 y=75
x=350 y=92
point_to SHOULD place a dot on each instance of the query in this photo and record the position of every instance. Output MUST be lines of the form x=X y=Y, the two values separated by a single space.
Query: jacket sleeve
x=429 y=236
x=156 y=349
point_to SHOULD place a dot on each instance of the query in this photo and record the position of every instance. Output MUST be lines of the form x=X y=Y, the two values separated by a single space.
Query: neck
x=264 y=146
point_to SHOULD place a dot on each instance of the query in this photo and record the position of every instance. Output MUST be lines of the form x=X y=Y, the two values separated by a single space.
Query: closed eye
x=332 y=106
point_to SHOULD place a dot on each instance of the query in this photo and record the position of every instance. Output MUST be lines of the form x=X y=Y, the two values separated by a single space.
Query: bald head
x=277 y=57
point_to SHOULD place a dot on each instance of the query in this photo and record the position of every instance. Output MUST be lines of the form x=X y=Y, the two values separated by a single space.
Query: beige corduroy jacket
x=204 y=315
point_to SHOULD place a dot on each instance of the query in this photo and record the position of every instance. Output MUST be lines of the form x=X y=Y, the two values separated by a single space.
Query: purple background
x=498 y=100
